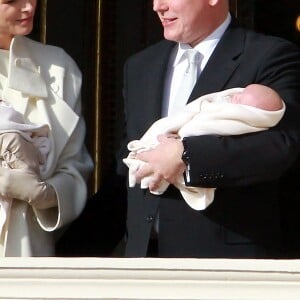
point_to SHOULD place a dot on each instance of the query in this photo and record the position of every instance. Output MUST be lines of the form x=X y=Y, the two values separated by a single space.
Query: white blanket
x=209 y=114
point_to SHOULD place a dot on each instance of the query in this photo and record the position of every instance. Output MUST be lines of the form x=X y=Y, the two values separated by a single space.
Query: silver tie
x=188 y=82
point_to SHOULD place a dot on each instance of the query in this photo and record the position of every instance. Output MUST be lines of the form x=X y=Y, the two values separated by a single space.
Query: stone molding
x=148 y=278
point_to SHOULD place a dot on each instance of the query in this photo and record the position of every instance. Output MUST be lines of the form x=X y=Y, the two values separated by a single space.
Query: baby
x=230 y=112
x=259 y=96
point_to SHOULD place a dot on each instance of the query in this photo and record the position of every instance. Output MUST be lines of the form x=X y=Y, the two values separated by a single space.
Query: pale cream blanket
x=209 y=114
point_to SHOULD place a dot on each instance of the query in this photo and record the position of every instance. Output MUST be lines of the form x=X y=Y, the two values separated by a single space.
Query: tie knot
x=193 y=56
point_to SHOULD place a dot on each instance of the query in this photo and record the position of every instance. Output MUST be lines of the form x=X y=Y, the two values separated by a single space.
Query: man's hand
x=163 y=162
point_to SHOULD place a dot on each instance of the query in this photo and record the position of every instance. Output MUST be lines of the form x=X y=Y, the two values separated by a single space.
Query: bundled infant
x=230 y=112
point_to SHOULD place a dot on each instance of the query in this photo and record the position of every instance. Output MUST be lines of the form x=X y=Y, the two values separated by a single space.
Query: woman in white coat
x=43 y=84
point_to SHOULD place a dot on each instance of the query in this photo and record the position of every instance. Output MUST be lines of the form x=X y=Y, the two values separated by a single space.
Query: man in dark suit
x=244 y=220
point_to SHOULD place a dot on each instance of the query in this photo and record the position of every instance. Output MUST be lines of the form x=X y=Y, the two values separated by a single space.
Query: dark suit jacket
x=244 y=219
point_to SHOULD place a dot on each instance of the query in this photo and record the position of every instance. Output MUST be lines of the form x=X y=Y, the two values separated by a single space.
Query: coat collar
x=24 y=74
x=25 y=83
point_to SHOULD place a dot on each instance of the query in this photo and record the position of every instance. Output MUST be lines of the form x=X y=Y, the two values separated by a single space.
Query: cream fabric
x=209 y=114
x=12 y=121
x=44 y=84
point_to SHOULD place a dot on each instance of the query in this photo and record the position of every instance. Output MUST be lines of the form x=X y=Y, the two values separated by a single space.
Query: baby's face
x=246 y=97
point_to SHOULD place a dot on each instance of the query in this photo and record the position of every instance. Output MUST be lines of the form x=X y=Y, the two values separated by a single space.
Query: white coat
x=48 y=79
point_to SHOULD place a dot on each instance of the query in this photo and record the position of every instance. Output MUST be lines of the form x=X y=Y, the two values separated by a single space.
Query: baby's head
x=259 y=96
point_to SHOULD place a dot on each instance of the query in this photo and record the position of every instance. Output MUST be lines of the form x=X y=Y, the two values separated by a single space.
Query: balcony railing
x=146 y=278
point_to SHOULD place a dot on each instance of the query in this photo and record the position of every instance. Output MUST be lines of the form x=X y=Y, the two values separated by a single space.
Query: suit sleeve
x=249 y=159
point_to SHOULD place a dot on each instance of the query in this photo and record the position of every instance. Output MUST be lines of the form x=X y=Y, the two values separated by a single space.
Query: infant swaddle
x=209 y=114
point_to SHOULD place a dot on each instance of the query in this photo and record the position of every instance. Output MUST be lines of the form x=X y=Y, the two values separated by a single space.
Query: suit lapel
x=214 y=78
x=155 y=80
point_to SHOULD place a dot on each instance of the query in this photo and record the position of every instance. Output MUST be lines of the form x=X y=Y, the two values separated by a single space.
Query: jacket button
x=54 y=87
x=18 y=62
x=150 y=219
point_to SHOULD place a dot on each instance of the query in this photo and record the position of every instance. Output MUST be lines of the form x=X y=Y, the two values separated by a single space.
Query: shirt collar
x=206 y=46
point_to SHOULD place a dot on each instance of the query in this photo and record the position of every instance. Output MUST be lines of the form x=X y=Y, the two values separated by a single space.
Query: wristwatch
x=186 y=159
x=185 y=155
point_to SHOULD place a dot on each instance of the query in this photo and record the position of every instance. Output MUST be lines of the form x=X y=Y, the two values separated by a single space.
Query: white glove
x=18 y=153
x=26 y=185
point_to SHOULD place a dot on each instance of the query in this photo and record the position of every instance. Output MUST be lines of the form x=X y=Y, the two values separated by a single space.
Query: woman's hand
x=18 y=153
x=26 y=185
x=20 y=179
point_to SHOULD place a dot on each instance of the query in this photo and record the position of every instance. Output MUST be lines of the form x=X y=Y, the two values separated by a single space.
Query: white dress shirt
x=177 y=64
